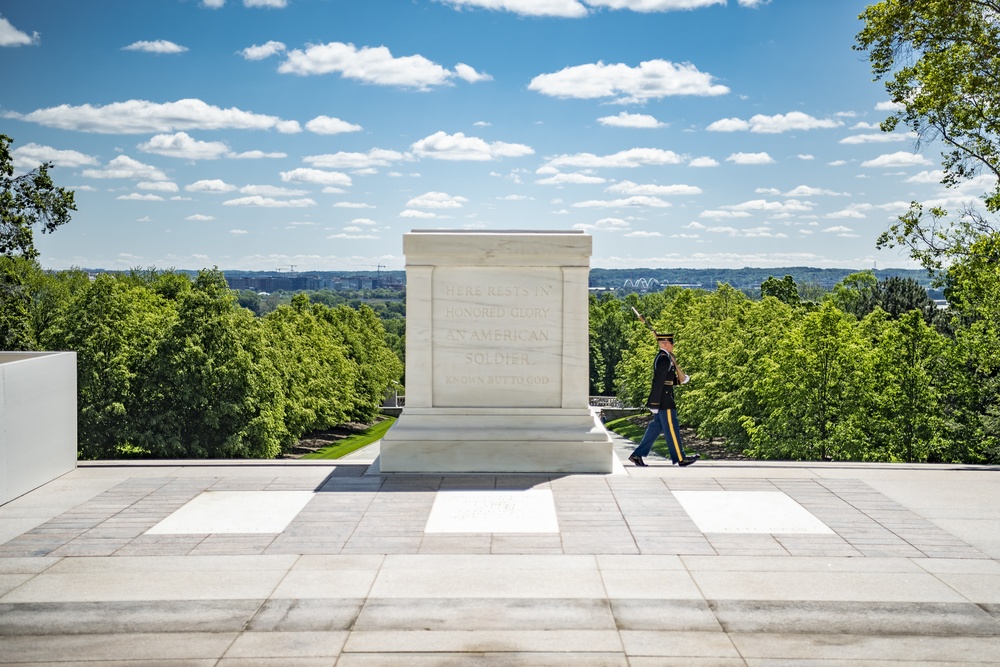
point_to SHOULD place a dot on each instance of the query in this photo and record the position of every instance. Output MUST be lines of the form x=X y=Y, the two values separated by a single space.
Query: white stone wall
x=38 y=437
x=497 y=366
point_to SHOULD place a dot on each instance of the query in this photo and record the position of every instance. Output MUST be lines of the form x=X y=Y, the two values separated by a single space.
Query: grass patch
x=354 y=442
x=626 y=428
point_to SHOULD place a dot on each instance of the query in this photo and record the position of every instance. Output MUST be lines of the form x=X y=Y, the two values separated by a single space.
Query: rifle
x=643 y=319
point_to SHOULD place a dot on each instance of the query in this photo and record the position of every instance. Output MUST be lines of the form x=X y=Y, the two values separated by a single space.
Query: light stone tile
x=128 y=648
x=97 y=618
x=520 y=583
x=132 y=585
x=339 y=562
x=866 y=649
x=326 y=584
x=395 y=641
x=287 y=645
x=535 y=659
x=954 y=565
x=669 y=615
x=235 y=512
x=283 y=661
x=860 y=618
x=306 y=615
x=494 y=511
x=840 y=586
x=799 y=564
x=452 y=562
x=485 y=614
x=678 y=644
x=155 y=565
x=9 y=582
x=656 y=584
x=978 y=588
x=748 y=512
x=26 y=565
x=639 y=563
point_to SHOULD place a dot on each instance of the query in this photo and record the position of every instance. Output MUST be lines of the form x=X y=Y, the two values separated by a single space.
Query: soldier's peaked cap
x=660 y=337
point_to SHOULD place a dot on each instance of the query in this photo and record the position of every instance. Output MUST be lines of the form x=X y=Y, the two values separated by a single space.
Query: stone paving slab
x=910 y=573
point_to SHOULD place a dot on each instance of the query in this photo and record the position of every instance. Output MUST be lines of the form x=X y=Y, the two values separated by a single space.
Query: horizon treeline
x=171 y=366
x=872 y=372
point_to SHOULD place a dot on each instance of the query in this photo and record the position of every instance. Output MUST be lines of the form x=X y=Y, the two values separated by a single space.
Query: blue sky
x=266 y=134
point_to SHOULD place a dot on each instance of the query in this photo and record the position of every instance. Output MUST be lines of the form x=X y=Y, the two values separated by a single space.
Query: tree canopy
x=27 y=201
x=940 y=61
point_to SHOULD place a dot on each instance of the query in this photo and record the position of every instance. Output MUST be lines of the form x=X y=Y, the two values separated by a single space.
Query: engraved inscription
x=497 y=336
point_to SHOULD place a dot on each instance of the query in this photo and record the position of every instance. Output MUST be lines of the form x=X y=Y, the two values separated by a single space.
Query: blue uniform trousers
x=665 y=422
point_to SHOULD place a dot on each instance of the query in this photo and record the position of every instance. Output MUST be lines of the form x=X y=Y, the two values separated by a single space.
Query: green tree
x=898 y=296
x=810 y=387
x=212 y=390
x=607 y=342
x=902 y=419
x=16 y=333
x=27 y=201
x=363 y=338
x=784 y=290
x=115 y=326
x=940 y=61
x=725 y=356
x=856 y=294
x=318 y=380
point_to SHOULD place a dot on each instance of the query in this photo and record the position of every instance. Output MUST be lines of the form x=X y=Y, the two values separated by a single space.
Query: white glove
x=653 y=410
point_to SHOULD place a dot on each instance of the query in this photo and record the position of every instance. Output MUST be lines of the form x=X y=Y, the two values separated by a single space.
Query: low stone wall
x=38 y=437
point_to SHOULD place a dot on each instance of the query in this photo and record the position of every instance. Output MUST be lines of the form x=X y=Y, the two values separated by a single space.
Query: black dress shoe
x=637 y=460
x=688 y=460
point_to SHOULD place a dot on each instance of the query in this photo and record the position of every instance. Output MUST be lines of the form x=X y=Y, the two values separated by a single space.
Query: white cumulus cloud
x=878 y=138
x=374 y=65
x=650 y=202
x=135 y=196
x=269 y=202
x=32 y=155
x=809 y=191
x=158 y=186
x=436 y=200
x=142 y=117
x=11 y=36
x=794 y=120
x=562 y=8
x=262 y=51
x=633 y=157
x=125 y=167
x=581 y=8
x=750 y=158
x=158 y=46
x=703 y=162
x=180 y=145
x=214 y=185
x=442 y=146
x=468 y=73
x=574 y=179
x=636 y=120
x=630 y=188
x=317 y=176
x=330 y=125
x=652 y=79
x=898 y=159
x=376 y=157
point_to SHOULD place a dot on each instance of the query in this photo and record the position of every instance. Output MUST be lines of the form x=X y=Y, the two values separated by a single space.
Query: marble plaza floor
x=331 y=563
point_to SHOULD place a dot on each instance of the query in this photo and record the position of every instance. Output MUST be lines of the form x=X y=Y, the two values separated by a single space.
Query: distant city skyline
x=261 y=134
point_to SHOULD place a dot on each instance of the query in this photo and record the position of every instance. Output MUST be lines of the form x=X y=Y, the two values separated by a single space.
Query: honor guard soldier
x=666 y=375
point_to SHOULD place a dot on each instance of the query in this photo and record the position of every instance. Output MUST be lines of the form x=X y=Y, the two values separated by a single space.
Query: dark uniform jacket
x=661 y=394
